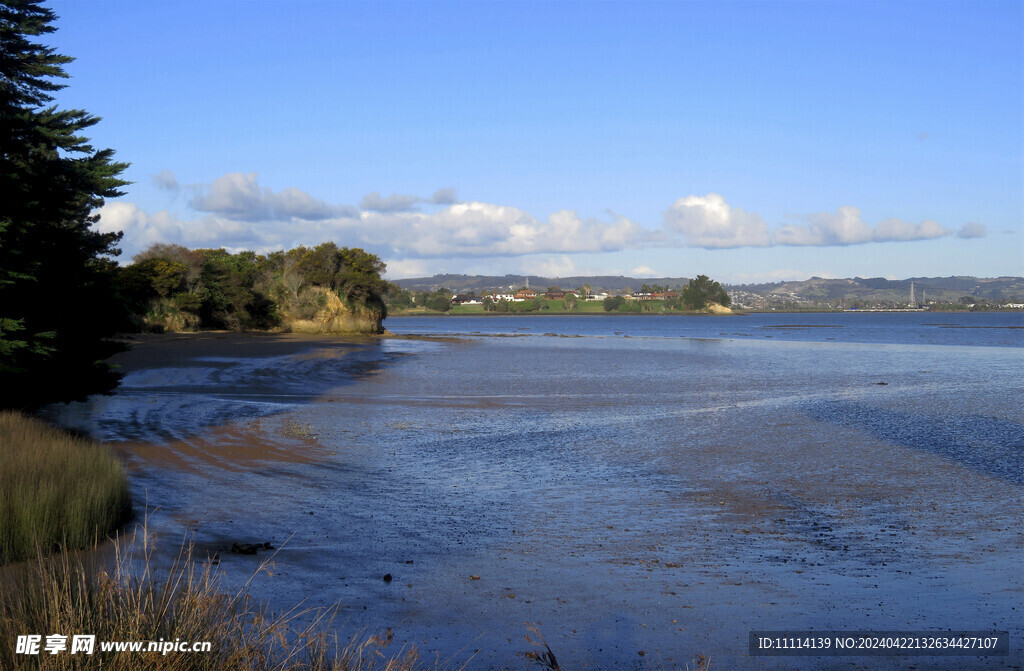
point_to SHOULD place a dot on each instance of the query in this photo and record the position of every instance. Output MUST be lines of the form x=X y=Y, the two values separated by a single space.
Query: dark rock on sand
x=250 y=548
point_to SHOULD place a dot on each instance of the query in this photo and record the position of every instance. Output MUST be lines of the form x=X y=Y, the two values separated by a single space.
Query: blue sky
x=747 y=141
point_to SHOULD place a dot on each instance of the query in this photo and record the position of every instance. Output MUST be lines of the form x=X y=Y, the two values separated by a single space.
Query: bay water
x=642 y=490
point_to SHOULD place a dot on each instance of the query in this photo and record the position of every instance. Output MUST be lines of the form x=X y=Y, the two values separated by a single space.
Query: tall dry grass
x=135 y=601
x=56 y=490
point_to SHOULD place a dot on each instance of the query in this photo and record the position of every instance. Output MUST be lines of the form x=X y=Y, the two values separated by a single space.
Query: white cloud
x=845 y=227
x=402 y=268
x=559 y=266
x=119 y=216
x=894 y=229
x=239 y=196
x=644 y=271
x=237 y=213
x=142 y=229
x=166 y=180
x=484 y=229
x=459 y=230
x=444 y=196
x=405 y=203
x=842 y=228
x=393 y=203
x=708 y=221
x=971 y=230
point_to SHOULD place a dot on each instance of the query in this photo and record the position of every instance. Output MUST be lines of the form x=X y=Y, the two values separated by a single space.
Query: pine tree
x=57 y=307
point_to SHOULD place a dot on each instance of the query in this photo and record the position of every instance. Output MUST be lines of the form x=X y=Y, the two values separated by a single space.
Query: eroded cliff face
x=716 y=309
x=335 y=317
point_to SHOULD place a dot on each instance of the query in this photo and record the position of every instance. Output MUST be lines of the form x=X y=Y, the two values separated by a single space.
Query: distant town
x=649 y=294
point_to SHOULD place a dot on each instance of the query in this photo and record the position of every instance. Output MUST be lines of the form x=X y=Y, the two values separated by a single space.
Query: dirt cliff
x=337 y=317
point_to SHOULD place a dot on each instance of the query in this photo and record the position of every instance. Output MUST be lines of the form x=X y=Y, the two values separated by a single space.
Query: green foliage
x=58 y=305
x=169 y=287
x=613 y=303
x=397 y=298
x=439 y=300
x=702 y=291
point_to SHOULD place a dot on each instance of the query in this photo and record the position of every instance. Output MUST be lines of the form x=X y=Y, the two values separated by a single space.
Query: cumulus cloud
x=403 y=268
x=971 y=230
x=464 y=230
x=444 y=197
x=240 y=197
x=844 y=227
x=485 y=229
x=556 y=266
x=405 y=203
x=166 y=180
x=710 y=222
x=894 y=229
x=236 y=212
x=142 y=229
x=393 y=203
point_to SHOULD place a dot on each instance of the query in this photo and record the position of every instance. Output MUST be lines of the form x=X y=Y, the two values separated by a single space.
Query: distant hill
x=938 y=289
x=814 y=291
x=480 y=283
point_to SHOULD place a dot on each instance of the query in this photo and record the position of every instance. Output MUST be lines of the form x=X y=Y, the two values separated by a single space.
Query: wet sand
x=151 y=350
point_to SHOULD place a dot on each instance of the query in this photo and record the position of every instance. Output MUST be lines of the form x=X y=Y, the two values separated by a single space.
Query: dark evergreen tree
x=57 y=303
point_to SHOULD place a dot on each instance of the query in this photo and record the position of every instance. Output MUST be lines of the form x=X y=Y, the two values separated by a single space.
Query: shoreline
x=744 y=313
x=157 y=350
x=559 y=313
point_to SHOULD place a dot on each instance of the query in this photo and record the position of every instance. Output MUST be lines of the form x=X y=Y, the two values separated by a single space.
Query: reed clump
x=138 y=601
x=57 y=490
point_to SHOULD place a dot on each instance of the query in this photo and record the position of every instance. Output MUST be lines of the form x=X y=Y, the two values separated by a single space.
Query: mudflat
x=657 y=494
x=159 y=350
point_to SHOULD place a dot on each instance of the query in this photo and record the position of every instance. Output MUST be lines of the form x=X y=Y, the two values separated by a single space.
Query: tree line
x=169 y=287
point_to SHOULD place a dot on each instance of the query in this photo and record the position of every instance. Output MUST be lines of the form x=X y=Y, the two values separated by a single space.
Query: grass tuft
x=56 y=490
x=136 y=601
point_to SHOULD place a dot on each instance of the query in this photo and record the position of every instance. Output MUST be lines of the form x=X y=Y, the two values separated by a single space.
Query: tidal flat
x=645 y=492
